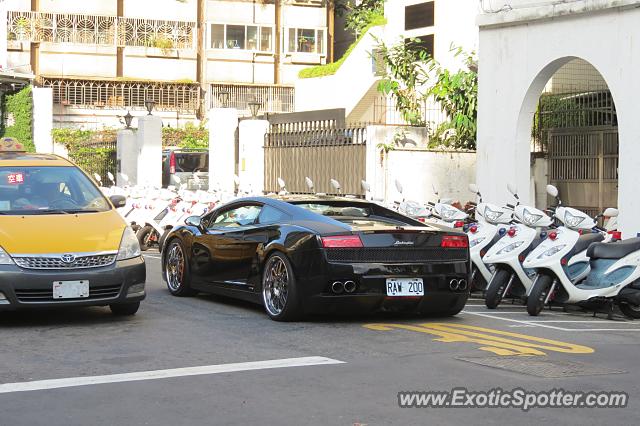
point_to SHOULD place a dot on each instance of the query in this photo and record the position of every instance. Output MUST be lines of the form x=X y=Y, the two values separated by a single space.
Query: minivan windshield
x=48 y=190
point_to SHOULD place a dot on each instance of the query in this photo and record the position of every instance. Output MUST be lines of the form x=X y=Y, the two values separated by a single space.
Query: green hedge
x=20 y=106
x=332 y=68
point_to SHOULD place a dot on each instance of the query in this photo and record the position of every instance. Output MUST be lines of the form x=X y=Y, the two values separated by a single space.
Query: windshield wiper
x=50 y=211
x=74 y=211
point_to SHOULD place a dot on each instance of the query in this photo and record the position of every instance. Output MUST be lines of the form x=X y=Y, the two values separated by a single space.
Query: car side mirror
x=195 y=221
x=118 y=201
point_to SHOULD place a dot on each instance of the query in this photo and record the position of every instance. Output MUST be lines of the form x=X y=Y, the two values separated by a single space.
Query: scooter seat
x=585 y=241
x=613 y=250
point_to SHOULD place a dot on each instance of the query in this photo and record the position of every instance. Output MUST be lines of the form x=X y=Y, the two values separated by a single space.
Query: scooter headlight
x=511 y=247
x=476 y=241
x=552 y=251
x=5 y=259
x=492 y=215
x=529 y=218
x=447 y=213
x=572 y=221
x=129 y=245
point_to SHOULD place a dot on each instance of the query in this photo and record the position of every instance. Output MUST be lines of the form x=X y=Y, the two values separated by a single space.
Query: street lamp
x=223 y=97
x=254 y=108
x=127 y=119
x=150 y=104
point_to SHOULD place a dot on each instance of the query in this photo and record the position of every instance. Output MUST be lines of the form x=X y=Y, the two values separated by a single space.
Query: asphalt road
x=378 y=357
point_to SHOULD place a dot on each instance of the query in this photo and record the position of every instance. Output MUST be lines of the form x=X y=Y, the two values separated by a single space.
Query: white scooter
x=507 y=255
x=483 y=234
x=561 y=260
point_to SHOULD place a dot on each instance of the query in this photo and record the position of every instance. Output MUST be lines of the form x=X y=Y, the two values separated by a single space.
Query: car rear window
x=190 y=162
x=338 y=210
x=356 y=213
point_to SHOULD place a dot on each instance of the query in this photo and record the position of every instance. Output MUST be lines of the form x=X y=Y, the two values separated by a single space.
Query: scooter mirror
x=124 y=177
x=512 y=189
x=110 y=176
x=365 y=186
x=236 y=179
x=435 y=190
x=97 y=177
x=611 y=212
x=474 y=188
x=309 y=183
x=177 y=179
x=552 y=190
x=398 y=186
x=335 y=184
x=281 y=183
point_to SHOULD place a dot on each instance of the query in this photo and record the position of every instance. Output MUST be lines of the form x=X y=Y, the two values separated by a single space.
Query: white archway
x=516 y=61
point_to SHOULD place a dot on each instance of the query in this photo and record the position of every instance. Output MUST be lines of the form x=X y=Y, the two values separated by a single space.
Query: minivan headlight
x=129 y=245
x=5 y=259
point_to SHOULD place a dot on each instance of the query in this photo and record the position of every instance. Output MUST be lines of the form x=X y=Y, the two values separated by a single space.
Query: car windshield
x=48 y=190
x=337 y=210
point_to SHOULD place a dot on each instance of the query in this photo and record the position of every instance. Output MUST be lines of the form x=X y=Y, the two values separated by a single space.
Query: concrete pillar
x=149 y=141
x=251 y=167
x=127 y=157
x=223 y=123
x=3 y=35
x=43 y=119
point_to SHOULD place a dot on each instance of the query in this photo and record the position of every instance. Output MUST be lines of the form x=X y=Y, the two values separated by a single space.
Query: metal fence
x=385 y=112
x=96 y=157
x=321 y=155
x=272 y=98
x=99 y=94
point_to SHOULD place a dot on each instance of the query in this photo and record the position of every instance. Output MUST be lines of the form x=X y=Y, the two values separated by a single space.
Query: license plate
x=70 y=289
x=405 y=287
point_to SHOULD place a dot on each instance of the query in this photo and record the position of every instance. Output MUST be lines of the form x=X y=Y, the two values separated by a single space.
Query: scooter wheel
x=539 y=292
x=144 y=235
x=496 y=287
x=631 y=311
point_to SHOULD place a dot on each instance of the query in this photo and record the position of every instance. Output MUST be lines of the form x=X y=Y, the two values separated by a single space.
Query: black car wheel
x=176 y=270
x=125 y=309
x=279 y=292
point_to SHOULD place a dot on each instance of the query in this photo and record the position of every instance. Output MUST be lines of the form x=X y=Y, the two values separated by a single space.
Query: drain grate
x=540 y=367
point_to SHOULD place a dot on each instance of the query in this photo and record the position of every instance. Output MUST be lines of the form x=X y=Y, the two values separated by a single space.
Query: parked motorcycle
x=489 y=227
x=510 y=277
x=563 y=260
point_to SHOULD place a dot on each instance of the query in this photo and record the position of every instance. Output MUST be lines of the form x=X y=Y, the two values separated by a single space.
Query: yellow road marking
x=495 y=341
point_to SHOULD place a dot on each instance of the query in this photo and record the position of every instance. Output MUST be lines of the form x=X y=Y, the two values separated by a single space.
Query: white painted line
x=165 y=374
x=515 y=320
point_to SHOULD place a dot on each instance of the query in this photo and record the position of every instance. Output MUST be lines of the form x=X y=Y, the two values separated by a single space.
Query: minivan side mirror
x=118 y=201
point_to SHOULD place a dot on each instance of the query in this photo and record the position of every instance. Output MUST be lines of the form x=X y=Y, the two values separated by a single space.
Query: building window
x=244 y=37
x=424 y=42
x=419 y=16
x=306 y=40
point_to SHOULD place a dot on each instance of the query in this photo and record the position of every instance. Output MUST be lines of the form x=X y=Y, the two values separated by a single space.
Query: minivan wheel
x=125 y=309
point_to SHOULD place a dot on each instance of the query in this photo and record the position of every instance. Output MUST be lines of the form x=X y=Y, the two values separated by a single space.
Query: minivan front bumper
x=121 y=282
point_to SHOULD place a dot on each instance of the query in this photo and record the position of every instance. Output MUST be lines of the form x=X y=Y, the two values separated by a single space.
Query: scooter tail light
x=458 y=224
x=342 y=241
x=473 y=229
x=454 y=241
x=172 y=163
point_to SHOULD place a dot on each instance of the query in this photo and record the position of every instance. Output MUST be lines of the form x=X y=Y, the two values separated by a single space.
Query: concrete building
x=590 y=43
x=103 y=57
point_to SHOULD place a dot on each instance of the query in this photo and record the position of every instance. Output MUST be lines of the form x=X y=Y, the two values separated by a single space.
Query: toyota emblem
x=68 y=258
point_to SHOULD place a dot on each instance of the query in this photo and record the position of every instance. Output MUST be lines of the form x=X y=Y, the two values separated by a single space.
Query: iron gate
x=583 y=164
x=96 y=157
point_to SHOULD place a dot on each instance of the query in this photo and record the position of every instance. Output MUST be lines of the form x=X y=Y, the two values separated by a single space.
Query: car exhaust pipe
x=454 y=284
x=349 y=286
x=337 y=287
x=462 y=285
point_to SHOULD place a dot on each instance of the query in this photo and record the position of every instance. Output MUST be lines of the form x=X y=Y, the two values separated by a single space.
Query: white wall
x=169 y=10
x=517 y=58
x=42 y=119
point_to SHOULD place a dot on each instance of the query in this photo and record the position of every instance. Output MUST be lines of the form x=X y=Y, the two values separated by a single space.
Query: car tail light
x=342 y=241
x=455 y=241
x=172 y=163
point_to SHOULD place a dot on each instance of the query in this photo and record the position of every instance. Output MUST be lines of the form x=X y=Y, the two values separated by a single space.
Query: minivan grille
x=395 y=255
x=46 y=295
x=56 y=262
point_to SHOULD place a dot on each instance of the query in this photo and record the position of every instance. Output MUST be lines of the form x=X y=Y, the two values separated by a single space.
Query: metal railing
x=338 y=153
x=123 y=95
x=96 y=157
x=100 y=30
x=386 y=113
x=273 y=98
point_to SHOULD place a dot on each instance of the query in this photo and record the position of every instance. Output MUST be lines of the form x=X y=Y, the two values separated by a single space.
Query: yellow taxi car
x=62 y=242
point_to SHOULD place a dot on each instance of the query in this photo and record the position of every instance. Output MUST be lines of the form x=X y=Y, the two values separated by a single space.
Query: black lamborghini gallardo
x=298 y=255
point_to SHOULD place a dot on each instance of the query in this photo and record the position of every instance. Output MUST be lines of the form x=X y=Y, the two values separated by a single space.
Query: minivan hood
x=61 y=233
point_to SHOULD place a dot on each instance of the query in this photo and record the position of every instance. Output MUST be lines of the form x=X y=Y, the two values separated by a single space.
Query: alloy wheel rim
x=275 y=285
x=175 y=267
